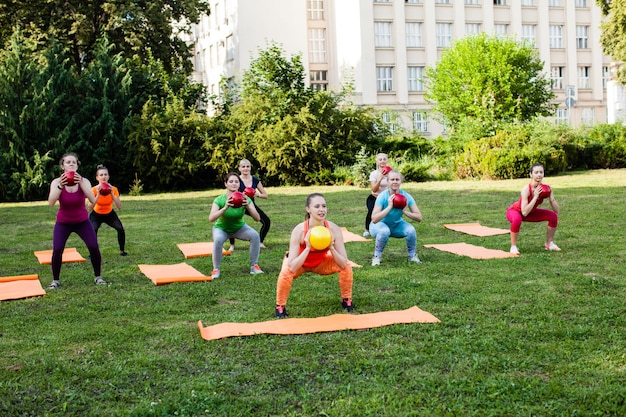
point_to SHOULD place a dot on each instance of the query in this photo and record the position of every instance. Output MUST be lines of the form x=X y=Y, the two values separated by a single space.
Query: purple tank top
x=72 y=207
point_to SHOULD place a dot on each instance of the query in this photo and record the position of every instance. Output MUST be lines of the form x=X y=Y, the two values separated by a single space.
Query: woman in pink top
x=526 y=209
x=70 y=190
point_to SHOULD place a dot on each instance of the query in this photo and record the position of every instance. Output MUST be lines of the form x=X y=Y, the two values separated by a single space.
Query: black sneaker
x=347 y=305
x=281 y=312
x=122 y=253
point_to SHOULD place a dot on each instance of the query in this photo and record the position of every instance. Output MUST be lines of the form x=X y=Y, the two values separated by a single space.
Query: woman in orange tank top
x=302 y=257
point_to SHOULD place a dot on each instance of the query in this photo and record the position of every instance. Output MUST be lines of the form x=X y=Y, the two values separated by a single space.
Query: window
x=442 y=1
x=472 y=29
x=444 y=34
x=472 y=2
x=390 y=120
x=317 y=45
x=318 y=80
x=529 y=34
x=501 y=30
x=216 y=13
x=382 y=1
x=382 y=31
x=584 y=80
x=230 y=49
x=414 y=35
x=556 y=36
x=499 y=2
x=555 y=3
x=220 y=53
x=561 y=116
x=581 y=3
x=582 y=37
x=415 y=78
x=212 y=58
x=528 y=2
x=412 y=1
x=315 y=9
x=200 y=60
x=384 y=79
x=606 y=76
x=420 y=121
x=556 y=77
x=587 y=116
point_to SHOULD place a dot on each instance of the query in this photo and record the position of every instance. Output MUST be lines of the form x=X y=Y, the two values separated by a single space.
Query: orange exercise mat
x=348 y=236
x=69 y=255
x=318 y=324
x=198 y=249
x=24 y=286
x=475 y=252
x=167 y=274
x=476 y=229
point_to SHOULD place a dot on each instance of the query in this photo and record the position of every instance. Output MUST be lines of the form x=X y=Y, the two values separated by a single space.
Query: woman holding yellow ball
x=304 y=257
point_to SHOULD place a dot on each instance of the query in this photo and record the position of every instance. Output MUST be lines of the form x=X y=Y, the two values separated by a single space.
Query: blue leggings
x=60 y=235
x=381 y=232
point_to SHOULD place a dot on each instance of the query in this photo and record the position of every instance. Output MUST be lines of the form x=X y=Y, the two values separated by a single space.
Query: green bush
x=417 y=170
x=361 y=169
x=608 y=142
x=509 y=154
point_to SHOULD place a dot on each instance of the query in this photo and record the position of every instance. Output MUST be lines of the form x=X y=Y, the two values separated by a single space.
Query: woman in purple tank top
x=70 y=190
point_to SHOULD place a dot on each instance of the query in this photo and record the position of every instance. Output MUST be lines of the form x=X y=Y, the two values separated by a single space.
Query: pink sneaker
x=254 y=270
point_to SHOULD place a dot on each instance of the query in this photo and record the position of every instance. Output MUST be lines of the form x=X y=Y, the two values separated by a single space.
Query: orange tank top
x=315 y=256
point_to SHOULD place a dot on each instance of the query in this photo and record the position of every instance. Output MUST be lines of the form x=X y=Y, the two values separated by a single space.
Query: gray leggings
x=244 y=233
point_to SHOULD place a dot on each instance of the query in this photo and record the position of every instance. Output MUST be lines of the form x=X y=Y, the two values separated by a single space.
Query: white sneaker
x=375 y=261
x=366 y=234
x=552 y=246
x=514 y=250
x=415 y=259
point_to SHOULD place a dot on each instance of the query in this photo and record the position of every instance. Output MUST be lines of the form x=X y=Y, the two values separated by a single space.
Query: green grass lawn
x=539 y=335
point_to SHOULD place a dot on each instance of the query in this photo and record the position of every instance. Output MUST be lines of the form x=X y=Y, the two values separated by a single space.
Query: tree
x=605 y=6
x=293 y=134
x=613 y=36
x=491 y=80
x=134 y=27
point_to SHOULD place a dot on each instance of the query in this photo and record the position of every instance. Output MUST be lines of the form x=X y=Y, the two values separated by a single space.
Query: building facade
x=382 y=47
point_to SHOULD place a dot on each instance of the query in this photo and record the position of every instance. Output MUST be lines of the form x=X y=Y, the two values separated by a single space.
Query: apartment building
x=383 y=46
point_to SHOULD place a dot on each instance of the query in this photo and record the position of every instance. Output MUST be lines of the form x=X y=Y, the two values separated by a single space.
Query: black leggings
x=370 y=202
x=265 y=224
x=112 y=220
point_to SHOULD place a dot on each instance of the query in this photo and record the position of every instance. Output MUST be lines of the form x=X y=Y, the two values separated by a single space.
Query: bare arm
x=337 y=247
x=376 y=184
x=378 y=213
x=262 y=193
x=295 y=258
x=252 y=211
x=91 y=205
x=413 y=212
x=116 y=199
x=85 y=185
x=555 y=206
x=55 y=191
x=216 y=211
x=528 y=200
